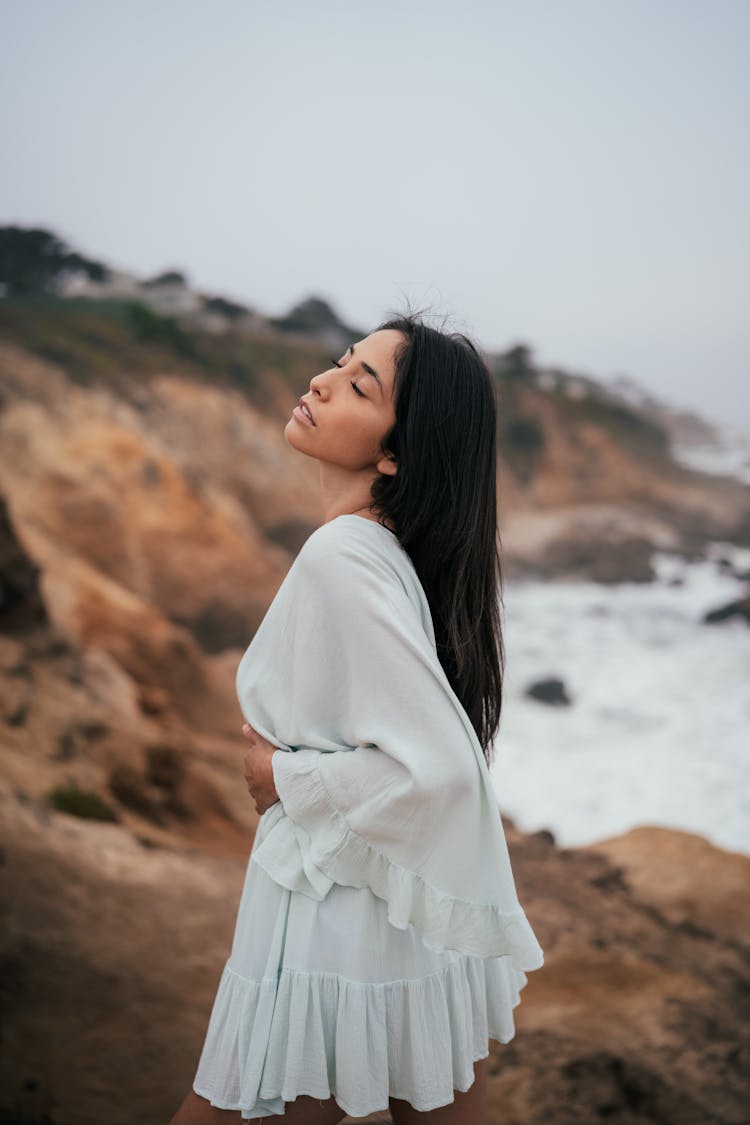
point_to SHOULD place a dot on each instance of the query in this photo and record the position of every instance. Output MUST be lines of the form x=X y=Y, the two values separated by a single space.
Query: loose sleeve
x=406 y=806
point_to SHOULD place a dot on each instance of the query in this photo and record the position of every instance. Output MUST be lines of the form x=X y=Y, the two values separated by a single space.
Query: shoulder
x=350 y=548
x=362 y=572
x=349 y=535
x=344 y=528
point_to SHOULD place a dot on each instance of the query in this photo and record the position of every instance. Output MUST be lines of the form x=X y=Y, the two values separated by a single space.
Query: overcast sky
x=570 y=174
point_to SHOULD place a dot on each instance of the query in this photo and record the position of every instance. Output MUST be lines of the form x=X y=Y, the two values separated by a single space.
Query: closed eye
x=361 y=394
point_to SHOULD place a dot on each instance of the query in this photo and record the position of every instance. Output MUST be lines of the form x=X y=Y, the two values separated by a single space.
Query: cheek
x=370 y=436
x=359 y=444
x=356 y=445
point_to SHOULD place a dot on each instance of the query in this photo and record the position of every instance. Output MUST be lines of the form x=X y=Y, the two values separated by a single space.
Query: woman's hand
x=257 y=769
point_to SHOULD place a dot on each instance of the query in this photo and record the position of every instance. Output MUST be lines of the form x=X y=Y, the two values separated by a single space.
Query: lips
x=306 y=409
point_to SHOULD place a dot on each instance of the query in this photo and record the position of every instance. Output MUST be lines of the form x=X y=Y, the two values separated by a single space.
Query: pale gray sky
x=571 y=174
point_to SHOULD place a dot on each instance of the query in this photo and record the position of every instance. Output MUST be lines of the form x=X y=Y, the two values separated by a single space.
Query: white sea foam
x=730 y=456
x=658 y=732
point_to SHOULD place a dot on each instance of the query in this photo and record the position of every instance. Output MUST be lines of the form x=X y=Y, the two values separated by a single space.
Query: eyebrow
x=369 y=370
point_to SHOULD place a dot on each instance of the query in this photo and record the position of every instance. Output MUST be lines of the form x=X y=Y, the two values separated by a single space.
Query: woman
x=379 y=942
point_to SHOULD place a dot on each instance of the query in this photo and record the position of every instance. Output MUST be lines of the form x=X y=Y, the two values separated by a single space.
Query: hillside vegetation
x=150 y=506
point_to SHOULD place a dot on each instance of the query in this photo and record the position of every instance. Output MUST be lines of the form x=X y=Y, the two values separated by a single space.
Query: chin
x=290 y=440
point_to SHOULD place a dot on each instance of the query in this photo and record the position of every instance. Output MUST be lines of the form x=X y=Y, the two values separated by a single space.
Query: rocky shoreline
x=112 y=950
x=142 y=536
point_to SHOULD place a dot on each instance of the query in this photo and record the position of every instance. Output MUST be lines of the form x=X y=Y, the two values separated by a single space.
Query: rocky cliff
x=149 y=510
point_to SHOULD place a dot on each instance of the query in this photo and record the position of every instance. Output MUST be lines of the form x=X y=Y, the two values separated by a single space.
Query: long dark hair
x=442 y=502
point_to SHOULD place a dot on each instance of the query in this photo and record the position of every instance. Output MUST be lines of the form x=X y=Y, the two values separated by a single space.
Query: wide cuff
x=284 y=854
x=444 y=922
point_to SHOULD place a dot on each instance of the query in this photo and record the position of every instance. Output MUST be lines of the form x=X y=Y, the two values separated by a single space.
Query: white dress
x=354 y=972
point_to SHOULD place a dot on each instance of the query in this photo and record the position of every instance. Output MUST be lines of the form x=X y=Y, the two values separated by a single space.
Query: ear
x=387 y=465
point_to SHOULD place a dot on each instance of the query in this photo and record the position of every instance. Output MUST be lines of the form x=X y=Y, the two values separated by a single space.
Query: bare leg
x=304 y=1110
x=196 y=1110
x=469 y=1107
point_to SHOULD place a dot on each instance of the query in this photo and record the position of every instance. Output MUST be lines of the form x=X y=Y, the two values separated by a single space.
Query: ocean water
x=729 y=456
x=658 y=730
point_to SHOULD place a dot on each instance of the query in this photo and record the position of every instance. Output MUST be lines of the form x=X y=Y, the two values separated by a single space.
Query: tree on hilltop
x=314 y=317
x=36 y=261
x=517 y=362
x=230 y=309
x=169 y=277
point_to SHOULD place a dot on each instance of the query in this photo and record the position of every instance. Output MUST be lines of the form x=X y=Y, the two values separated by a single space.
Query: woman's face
x=352 y=408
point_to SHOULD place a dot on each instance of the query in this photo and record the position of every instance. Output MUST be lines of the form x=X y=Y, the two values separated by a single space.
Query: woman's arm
x=258 y=770
x=408 y=775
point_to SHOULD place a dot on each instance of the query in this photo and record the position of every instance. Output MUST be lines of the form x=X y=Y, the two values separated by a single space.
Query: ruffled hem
x=334 y=853
x=323 y=1035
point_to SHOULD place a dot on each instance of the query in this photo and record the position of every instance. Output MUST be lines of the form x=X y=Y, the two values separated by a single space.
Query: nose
x=317 y=383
